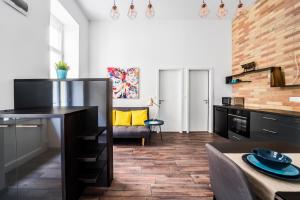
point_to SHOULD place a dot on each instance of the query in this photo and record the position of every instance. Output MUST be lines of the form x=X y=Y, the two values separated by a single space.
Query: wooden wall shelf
x=239 y=82
x=254 y=71
x=277 y=77
x=289 y=86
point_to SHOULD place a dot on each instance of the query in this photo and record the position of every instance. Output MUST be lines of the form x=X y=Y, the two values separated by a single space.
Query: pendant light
x=204 y=9
x=114 y=13
x=132 y=13
x=150 y=10
x=222 y=11
x=240 y=9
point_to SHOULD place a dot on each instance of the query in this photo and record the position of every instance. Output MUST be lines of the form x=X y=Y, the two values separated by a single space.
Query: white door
x=170 y=99
x=198 y=100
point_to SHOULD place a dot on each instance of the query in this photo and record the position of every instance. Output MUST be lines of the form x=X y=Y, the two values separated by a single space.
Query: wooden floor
x=176 y=169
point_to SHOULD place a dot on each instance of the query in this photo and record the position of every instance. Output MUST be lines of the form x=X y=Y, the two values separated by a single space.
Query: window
x=56 y=44
x=64 y=40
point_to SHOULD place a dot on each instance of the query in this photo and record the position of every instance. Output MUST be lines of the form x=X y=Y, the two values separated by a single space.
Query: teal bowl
x=271 y=158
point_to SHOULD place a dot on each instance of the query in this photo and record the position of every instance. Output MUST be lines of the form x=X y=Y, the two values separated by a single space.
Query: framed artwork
x=125 y=82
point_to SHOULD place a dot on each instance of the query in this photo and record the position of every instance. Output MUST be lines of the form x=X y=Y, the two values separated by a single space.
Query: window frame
x=59 y=26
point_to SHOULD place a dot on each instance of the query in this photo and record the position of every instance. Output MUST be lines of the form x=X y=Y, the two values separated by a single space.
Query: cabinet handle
x=236 y=138
x=4 y=126
x=269 y=118
x=27 y=126
x=269 y=131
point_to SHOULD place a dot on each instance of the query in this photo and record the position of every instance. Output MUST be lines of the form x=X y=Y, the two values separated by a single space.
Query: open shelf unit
x=92 y=160
x=86 y=117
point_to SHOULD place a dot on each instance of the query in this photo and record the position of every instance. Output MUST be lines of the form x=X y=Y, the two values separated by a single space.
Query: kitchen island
x=62 y=175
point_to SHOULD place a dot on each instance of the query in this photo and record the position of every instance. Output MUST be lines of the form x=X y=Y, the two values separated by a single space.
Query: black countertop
x=264 y=110
x=42 y=112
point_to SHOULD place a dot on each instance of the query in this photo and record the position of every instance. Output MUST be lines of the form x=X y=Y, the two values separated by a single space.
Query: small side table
x=154 y=123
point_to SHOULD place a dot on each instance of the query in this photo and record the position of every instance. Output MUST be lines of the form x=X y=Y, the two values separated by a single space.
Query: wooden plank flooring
x=176 y=169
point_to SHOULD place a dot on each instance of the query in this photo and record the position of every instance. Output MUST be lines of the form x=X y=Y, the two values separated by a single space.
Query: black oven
x=238 y=124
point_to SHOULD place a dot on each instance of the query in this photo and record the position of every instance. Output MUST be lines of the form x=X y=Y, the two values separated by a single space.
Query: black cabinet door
x=271 y=127
x=220 y=121
x=263 y=129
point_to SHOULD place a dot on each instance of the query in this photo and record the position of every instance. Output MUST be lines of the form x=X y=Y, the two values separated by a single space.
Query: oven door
x=238 y=125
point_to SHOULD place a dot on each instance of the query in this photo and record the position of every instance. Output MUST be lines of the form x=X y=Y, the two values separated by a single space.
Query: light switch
x=294 y=99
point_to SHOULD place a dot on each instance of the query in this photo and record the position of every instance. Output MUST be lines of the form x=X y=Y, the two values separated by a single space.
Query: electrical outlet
x=294 y=99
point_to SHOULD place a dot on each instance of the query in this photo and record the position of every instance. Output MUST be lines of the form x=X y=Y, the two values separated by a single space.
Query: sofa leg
x=143 y=141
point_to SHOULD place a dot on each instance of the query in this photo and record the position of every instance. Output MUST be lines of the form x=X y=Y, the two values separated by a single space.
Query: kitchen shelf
x=240 y=82
x=92 y=156
x=90 y=177
x=288 y=86
x=254 y=71
x=276 y=78
x=92 y=135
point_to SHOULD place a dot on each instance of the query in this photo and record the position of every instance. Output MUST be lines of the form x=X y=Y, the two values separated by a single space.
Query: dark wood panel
x=109 y=134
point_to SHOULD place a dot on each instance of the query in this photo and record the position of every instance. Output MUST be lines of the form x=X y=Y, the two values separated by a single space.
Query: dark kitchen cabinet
x=220 y=121
x=272 y=127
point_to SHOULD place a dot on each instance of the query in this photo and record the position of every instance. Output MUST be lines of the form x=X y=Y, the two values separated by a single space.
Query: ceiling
x=98 y=10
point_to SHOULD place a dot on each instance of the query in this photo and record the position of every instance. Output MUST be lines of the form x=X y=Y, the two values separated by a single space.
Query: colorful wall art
x=125 y=82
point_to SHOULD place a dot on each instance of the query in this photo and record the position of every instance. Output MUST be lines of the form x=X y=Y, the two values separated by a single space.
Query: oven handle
x=237 y=116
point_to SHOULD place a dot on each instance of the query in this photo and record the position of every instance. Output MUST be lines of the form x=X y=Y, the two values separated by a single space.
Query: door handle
x=4 y=126
x=206 y=101
x=161 y=100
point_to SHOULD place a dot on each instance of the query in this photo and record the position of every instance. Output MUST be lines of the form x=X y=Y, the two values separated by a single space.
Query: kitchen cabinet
x=273 y=127
x=220 y=121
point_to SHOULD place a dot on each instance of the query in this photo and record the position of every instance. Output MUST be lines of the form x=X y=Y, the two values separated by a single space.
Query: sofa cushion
x=139 y=117
x=131 y=131
x=123 y=118
x=114 y=117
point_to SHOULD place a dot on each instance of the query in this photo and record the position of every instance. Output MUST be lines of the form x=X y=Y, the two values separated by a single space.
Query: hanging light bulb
x=222 y=11
x=240 y=9
x=132 y=13
x=114 y=13
x=204 y=9
x=150 y=10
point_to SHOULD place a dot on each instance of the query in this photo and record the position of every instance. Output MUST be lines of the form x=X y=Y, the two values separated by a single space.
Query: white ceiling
x=97 y=10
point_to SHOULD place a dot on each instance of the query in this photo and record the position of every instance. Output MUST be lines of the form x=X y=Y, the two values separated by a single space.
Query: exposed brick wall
x=269 y=34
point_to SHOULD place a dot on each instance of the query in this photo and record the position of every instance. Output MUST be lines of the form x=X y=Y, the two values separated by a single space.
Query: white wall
x=167 y=44
x=72 y=7
x=23 y=46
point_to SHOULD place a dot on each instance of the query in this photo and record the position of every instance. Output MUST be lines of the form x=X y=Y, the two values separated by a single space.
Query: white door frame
x=210 y=96
x=181 y=104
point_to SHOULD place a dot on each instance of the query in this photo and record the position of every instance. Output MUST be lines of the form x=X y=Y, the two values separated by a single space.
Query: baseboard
x=23 y=159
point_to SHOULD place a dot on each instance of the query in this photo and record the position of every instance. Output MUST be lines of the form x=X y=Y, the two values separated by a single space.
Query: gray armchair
x=228 y=182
